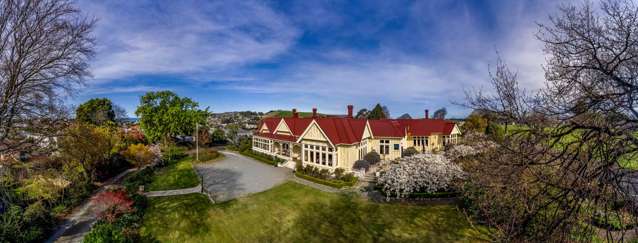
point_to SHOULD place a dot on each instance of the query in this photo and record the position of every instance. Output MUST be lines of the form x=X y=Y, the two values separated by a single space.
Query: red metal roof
x=344 y=130
x=297 y=125
x=386 y=128
x=426 y=127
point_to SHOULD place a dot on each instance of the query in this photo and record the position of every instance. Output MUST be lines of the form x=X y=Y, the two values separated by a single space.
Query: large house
x=338 y=141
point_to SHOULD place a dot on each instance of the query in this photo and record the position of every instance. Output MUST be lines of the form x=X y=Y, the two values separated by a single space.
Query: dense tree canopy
x=164 y=114
x=97 y=111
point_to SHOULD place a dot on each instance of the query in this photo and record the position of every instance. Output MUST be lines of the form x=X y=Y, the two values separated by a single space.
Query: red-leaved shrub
x=109 y=205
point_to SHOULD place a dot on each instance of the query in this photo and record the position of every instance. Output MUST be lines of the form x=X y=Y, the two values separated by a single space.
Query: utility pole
x=197 y=142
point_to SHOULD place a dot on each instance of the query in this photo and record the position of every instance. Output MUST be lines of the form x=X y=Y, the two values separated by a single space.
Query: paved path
x=79 y=222
x=195 y=189
x=236 y=176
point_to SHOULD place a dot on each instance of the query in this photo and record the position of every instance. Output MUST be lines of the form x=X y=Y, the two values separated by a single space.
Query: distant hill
x=283 y=113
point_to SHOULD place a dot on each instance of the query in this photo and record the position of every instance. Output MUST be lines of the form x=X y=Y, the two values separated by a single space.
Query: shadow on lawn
x=223 y=184
x=348 y=219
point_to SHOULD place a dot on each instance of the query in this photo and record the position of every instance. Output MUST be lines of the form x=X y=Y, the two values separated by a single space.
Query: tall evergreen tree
x=377 y=113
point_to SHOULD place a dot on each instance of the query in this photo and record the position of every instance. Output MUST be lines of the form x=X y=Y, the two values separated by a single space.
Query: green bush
x=410 y=151
x=331 y=183
x=139 y=178
x=16 y=225
x=268 y=159
x=339 y=172
x=322 y=176
x=103 y=232
x=173 y=153
x=372 y=157
x=208 y=154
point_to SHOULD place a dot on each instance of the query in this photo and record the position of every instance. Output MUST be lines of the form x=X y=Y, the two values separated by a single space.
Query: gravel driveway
x=237 y=175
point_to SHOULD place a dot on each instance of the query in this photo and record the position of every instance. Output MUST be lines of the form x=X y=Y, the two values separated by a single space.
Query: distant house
x=338 y=141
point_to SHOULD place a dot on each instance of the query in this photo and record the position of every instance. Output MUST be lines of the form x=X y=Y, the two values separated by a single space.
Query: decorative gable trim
x=367 y=132
x=455 y=130
x=318 y=127
x=264 y=128
x=282 y=128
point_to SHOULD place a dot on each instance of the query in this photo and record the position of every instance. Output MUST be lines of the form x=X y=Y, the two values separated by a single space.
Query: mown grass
x=177 y=175
x=295 y=213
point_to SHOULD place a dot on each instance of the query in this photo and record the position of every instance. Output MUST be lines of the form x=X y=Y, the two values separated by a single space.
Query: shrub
x=135 y=180
x=208 y=154
x=140 y=155
x=111 y=204
x=410 y=152
x=350 y=178
x=372 y=157
x=420 y=173
x=339 y=173
x=104 y=232
x=324 y=174
x=361 y=165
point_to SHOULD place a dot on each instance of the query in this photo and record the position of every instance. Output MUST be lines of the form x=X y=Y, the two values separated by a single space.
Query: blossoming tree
x=419 y=173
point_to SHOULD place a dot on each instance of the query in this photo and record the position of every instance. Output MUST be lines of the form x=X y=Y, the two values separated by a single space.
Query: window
x=384 y=147
x=396 y=146
x=320 y=155
x=261 y=143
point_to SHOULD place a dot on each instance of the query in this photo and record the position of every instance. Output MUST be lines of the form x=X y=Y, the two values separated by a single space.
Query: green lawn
x=179 y=174
x=295 y=213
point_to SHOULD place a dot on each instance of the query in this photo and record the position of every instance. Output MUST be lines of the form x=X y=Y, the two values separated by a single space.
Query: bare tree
x=44 y=49
x=549 y=180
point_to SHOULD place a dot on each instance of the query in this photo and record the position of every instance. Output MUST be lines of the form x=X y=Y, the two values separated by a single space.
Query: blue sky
x=264 y=55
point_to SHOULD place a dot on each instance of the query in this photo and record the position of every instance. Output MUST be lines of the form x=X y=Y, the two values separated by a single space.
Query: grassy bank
x=177 y=175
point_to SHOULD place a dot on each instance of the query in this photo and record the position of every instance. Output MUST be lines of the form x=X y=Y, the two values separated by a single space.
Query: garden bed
x=328 y=182
x=268 y=159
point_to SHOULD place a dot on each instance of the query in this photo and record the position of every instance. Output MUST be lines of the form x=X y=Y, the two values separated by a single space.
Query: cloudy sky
x=264 y=55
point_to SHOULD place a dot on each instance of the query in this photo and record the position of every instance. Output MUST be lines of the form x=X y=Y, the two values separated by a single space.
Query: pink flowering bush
x=420 y=173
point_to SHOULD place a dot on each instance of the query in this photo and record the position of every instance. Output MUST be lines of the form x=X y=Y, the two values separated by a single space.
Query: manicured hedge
x=271 y=160
x=329 y=182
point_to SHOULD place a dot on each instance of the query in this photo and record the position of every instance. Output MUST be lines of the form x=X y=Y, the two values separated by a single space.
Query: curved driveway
x=237 y=175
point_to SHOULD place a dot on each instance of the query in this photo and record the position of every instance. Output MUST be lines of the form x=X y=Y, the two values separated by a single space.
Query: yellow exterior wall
x=374 y=145
x=346 y=156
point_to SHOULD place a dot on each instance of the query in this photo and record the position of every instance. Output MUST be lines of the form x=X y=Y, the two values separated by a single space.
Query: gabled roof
x=346 y=130
x=342 y=130
x=297 y=125
x=386 y=128
x=426 y=127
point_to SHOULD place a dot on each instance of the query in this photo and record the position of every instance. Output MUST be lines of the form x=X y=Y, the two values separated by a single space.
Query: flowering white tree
x=460 y=150
x=420 y=173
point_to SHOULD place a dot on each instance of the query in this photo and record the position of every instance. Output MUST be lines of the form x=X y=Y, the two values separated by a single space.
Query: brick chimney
x=350 y=107
x=427 y=114
x=314 y=112
x=294 y=113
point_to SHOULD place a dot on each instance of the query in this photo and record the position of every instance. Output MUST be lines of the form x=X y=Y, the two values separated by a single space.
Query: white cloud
x=119 y=90
x=183 y=37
